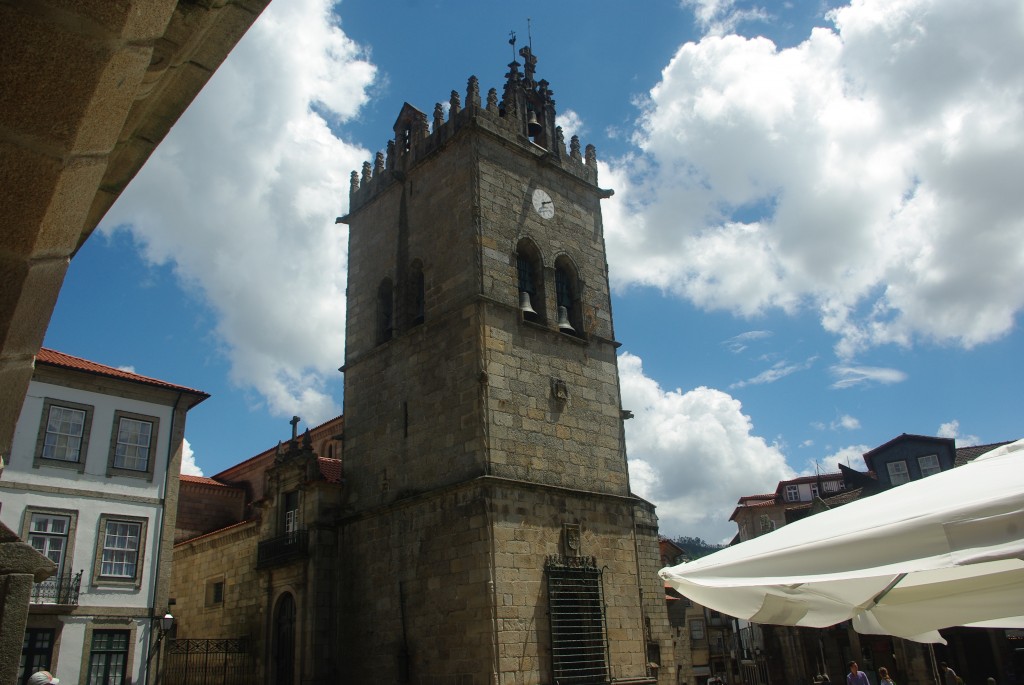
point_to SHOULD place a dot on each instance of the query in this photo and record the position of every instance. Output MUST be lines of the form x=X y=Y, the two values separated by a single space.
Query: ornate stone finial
x=574 y=148
x=353 y=184
x=560 y=139
x=378 y=165
x=473 y=93
x=492 y=101
x=307 y=442
x=455 y=105
x=513 y=66
x=438 y=117
x=530 y=63
x=591 y=154
x=390 y=162
x=366 y=173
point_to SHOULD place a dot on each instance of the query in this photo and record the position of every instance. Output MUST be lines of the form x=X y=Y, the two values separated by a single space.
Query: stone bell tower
x=490 y=535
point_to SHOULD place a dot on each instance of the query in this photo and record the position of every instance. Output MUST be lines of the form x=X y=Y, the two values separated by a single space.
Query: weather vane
x=512 y=42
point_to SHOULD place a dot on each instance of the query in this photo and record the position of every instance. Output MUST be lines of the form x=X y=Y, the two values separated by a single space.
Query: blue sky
x=816 y=241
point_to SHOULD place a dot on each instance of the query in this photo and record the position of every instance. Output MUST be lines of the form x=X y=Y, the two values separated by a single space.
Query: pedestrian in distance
x=949 y=676
x=42 y=678
x=883 y=677
x=856 y=676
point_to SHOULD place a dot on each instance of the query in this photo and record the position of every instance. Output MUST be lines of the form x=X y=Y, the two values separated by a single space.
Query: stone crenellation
x=525 y=115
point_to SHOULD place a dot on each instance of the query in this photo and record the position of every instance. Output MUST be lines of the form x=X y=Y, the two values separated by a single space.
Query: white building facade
x=92 y=484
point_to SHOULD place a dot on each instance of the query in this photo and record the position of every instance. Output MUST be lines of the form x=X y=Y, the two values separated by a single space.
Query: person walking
x=883 y=677
x=856 y=676
x=42 y=678
x=949 y=676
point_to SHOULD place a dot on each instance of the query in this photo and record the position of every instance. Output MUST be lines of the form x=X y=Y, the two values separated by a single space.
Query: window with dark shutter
x=579 y=651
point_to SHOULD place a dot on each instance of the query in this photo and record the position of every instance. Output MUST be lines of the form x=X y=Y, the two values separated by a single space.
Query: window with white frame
x=120 y=546
x=929 y=465
x=292 y=514
x=792 y=493
x=898 y=472
x=48 y=535
x=814 y=490
x=133 y=444
x=63 y=434
x=696 y=629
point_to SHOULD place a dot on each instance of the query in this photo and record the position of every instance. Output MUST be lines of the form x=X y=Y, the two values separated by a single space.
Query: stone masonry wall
x=535 y=434
x=206 y=508
x=412 y=403
x=528 y=523
x=417 y=604
x=229 y=556
x=655 y=612
x=451 y=589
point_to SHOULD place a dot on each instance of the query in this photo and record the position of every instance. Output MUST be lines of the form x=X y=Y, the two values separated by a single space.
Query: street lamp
x=163 y=624
x=166 y=623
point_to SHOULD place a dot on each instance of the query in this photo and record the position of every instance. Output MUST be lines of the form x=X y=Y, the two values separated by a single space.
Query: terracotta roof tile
x=67 y=361
x=201 y=480
x=965 y=455
x=844 y=497
x=330 y=469
x=216 y=532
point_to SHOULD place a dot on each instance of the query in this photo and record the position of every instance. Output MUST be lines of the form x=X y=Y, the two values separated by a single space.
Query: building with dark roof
x=800 y=654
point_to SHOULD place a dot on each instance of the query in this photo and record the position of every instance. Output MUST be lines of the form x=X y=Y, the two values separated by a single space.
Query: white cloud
x=869 y=173
x=242 y=194
x=846 y=422
x=716 y=17
x=693 y=454
x=852 y=456
x=739 y=343
x=188 y=460
x=951 y=429
x=778 y=371
x=849 y=376
x=571 y=123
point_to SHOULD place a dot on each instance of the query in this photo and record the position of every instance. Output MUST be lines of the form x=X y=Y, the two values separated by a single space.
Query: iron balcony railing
x=282 y=549
x=61 y=590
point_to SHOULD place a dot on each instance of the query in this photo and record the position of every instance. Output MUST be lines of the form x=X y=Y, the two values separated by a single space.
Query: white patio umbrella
x=947 y=550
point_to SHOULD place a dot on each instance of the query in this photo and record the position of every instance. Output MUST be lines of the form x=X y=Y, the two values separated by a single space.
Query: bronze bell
x=524 y=303
x=533 y=127
x=563 y=321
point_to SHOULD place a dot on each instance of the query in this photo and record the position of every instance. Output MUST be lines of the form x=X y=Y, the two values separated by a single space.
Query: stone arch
x=530 y=279
x=568 y=294
x=283 y=647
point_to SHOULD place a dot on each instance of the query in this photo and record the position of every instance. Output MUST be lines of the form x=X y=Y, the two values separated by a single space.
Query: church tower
x=489 y=536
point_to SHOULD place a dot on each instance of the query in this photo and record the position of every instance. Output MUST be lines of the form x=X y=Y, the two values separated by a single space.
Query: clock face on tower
x=543 y=204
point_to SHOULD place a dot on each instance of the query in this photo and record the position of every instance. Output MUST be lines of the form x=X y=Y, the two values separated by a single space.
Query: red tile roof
x=751 y=498
x=201 y=480
x=965 y=455
x=216 y=532
x=330 y=469
x=67 y=361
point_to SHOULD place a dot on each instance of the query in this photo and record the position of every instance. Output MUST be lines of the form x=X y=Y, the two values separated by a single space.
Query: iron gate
x=207 y=662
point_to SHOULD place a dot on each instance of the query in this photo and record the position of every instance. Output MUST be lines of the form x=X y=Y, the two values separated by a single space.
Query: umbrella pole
x=934 y=664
